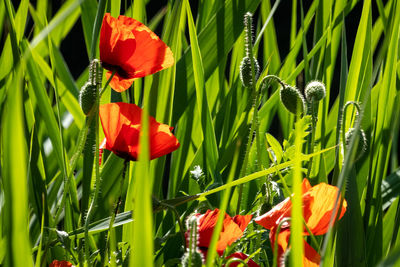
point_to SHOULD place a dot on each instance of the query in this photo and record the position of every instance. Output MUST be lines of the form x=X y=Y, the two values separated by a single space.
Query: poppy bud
x=315 y=90
x=87 y=97
x=362 y=141
x=292 y=99
x=246 y=75
x=192 y=256
x=248 y=29
x=192 y=260
x=95 y=72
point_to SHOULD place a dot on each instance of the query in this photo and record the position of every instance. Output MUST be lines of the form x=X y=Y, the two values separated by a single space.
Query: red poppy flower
x=132 y=50
x=242 y=256
x=57 y=263
x=232 y=230
x=122 y=123
x=318 y=206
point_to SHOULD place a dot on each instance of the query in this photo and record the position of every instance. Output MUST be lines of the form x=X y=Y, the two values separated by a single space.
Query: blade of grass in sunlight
x=210 y=145
x=15 y=213
x=296 y=219
x=230 y=28
x=382 y=143
x=142 y=238
x=256 y=175
x=222 y=208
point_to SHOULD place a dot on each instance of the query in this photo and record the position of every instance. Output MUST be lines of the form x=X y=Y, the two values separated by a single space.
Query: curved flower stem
x=255 y=127
x=343 y=128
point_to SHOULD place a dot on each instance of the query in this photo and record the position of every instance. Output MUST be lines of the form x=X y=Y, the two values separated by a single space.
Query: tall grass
x=49 y=171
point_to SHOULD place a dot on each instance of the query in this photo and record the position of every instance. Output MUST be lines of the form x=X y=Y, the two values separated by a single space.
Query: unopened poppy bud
x=194 y=259
x=292 y=99
x=285 y=258
x=246 y=75
x=95 y=72
x=87 y=97
x=192 y=256
x=248 y=29
x=362 y=141
x=315 y=90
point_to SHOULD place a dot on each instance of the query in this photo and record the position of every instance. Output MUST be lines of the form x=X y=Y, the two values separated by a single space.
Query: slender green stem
x=114 y=214
x=311 y=142
x=107 y=83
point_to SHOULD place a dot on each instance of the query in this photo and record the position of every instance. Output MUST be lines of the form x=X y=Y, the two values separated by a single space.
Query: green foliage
x=234 y=138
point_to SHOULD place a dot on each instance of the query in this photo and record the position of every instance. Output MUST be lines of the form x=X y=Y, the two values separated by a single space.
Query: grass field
x=251 y=116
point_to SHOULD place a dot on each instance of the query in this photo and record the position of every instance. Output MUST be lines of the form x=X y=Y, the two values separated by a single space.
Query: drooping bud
x=192 y=257
x=361 y=143
x=246 y=75
x=292 y=99
x=87 y=97
x=315 y=90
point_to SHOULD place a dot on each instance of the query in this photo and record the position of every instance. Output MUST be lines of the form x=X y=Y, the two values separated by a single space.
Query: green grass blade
x=210 y=144
x=224 y=24
x=15 y=212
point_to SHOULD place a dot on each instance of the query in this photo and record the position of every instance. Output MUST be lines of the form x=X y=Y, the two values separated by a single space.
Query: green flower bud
x=246 y=75
x=292 y=99
x=95 y=72
x=362 y=141
x=315 y=90
x=194 y=259
x=192 y=256
x=87 y=97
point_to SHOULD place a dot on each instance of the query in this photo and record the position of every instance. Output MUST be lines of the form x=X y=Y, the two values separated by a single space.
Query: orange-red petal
x=311 y=257
x=242 y=256
x=57 y=263
x=318 y=205
x=118 y=83
x=121 y=125
x=321 y=210
x=132 y=50
x=231 y=230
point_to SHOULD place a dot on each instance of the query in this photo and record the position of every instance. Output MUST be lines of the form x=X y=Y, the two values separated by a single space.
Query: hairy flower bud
x=194 y=259
x=315 y=90
x=87 y=97
x=292 y=99
x=192 y=256
x=246 y=75
x=362 y=141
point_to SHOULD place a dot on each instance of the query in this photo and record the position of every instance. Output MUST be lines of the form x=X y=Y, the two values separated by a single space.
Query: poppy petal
x=57 y=263
x=242 y=256
x=118 y=83
x=322 y=208
x=132 y=50
x=311 y=257
x=121 y=125
x=230 y=232
x=242 y=221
